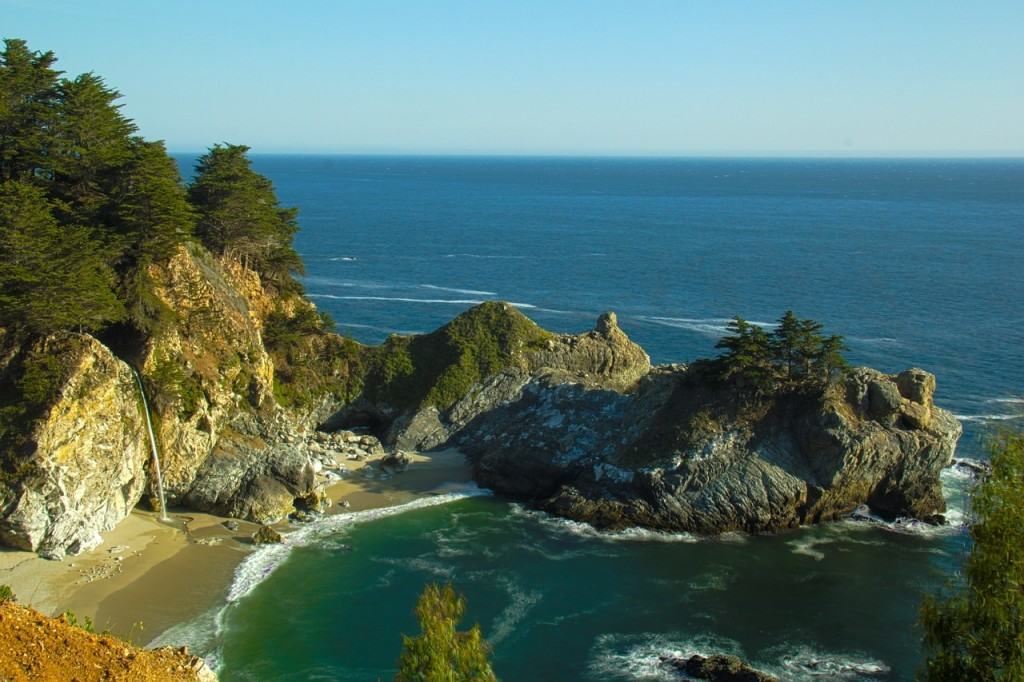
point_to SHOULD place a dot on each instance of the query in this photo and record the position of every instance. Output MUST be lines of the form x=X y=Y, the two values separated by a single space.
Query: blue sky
x=555 y=77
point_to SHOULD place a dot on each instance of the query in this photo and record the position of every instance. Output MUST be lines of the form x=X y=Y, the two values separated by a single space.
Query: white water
x=152 y=448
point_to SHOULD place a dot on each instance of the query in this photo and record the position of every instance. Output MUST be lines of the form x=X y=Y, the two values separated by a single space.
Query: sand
x=149 y=575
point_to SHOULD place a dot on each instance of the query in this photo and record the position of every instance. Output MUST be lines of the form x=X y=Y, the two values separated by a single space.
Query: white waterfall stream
x=153 y=448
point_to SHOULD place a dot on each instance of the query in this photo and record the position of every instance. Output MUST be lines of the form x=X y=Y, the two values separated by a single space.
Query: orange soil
x=36 y=647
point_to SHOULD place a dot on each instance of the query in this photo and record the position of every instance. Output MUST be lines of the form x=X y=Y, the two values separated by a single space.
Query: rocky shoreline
x=247 y=418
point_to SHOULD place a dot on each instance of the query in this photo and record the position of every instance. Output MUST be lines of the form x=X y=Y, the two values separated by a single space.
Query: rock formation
x=580 y=425
x=85 y=465
x=585 y=428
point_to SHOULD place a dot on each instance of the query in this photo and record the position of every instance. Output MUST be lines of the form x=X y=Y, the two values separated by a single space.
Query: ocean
x=915 y=262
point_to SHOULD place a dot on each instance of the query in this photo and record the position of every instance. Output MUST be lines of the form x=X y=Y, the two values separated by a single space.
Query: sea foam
x=261 y=563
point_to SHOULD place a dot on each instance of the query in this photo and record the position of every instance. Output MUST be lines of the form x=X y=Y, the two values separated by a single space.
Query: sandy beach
x=149 y=575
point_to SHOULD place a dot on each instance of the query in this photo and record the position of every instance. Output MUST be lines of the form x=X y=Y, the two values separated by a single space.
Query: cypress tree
x=239 y=215
x=52 y=276
x=28 y=111
x=93 y=142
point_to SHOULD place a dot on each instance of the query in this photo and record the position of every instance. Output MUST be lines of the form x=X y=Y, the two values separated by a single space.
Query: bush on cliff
x=441 y=653
x=977 y=631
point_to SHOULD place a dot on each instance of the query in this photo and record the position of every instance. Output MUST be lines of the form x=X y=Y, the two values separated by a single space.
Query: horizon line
x=834 y=156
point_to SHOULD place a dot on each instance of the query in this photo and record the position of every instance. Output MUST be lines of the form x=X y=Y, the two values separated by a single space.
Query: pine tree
x=28 y=111
x=239 y=215
x=441 y=653
x=977 y=633
x=52 y=276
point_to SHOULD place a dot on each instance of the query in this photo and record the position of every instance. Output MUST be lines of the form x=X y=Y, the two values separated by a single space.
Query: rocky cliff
x=76 y=452
x=580 y=425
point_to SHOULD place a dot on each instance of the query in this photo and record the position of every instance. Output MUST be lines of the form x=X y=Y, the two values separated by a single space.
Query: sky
x=565 y=77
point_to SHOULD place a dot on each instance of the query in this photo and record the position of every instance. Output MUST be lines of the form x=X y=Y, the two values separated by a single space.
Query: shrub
x=6 y=594
x=441 y=653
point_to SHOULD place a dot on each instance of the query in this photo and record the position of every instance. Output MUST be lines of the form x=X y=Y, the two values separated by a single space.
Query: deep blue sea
x=916 y=263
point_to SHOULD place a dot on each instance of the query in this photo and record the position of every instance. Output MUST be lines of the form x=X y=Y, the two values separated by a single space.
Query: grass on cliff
x=439 y=368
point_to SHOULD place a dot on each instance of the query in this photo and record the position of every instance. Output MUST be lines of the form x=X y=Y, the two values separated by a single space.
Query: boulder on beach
x=266 y=536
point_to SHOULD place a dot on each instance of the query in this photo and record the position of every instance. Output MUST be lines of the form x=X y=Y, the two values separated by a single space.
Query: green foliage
x=28 y=111
x=281 y=330
x=794 y=355
x=51 y=276
x=72 y=620
x=977 y=632
x=239 y=215
x=7 y=594
x=310 y=363
x=172 y=384
x=440 y=653
x=107 y=204
x=439 y=368
x=91 y=142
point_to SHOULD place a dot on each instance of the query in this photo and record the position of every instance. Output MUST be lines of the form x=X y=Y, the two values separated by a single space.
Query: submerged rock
x=717 y=668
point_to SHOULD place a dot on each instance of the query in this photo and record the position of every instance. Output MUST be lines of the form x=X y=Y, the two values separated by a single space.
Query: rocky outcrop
x=604 y=359
x=617 y=443
x=84 y=463
x=208 y=369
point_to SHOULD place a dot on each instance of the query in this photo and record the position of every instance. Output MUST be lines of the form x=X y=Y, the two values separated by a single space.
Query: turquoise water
x=562 y=602
x=916 y=262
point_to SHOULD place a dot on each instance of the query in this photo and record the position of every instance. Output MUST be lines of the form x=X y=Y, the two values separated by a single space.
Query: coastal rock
x=396 y=462
x=717 y=668
x=209 y=371
x=266 y=536
x=592 y=455
x=604 y=357
x=247 y=478
x=83 y=464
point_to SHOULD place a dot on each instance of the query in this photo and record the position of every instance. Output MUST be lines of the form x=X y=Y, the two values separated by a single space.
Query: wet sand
x=149 y=575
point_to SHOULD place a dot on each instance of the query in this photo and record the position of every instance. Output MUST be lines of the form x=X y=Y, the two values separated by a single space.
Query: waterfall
x=152 y=447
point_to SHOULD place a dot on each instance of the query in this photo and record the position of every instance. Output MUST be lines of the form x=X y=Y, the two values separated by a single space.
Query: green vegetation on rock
x=440 y=653
x=309 y=363
x=977 y=631
x=439 y=368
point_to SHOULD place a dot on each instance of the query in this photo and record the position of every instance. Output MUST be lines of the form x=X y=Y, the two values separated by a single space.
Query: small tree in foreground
x=441 y=653
x=977 y=633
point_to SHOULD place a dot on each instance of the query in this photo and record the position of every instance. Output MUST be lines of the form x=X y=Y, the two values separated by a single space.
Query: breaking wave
x=399 y=299
x=709 y=326
x=471 y=292
x=642 y=657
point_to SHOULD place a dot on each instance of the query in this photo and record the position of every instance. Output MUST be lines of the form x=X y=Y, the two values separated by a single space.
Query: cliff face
x=81 y=460
x=84 y=464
